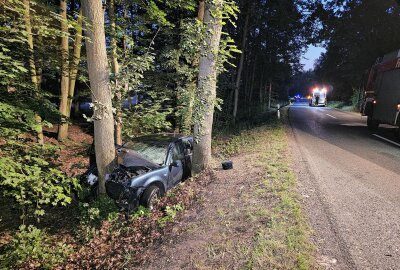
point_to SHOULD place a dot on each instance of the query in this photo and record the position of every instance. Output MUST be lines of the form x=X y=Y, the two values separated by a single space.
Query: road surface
x=350 y=181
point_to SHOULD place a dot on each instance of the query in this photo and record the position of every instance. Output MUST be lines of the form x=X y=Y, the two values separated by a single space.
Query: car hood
x=130 y=158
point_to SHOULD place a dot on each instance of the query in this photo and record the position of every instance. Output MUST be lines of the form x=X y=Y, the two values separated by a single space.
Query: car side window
x=173 y=154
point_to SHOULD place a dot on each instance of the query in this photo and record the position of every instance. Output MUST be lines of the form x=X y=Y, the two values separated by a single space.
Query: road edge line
x=387 y=140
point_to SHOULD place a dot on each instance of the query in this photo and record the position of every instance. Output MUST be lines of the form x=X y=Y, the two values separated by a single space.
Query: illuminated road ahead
x=350 y=182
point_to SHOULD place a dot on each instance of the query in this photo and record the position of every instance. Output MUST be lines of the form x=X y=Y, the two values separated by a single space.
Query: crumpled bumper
x=125 y=197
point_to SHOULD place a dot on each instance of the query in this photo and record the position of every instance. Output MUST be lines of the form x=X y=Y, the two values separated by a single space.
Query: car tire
x=150 y=196
x=372 y=123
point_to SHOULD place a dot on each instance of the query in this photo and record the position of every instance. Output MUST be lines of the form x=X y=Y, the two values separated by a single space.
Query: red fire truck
x=381 y=102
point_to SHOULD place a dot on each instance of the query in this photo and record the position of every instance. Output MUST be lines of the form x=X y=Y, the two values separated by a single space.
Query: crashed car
x=148 y=167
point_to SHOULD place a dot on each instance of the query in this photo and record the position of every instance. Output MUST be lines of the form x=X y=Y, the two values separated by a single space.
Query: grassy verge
x=342 y=105
x=280 y=234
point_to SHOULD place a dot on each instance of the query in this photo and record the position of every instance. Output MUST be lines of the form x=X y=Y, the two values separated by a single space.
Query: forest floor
x=245 y=218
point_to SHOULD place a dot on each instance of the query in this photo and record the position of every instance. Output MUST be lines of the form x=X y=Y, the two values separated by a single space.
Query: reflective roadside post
x=279 y=112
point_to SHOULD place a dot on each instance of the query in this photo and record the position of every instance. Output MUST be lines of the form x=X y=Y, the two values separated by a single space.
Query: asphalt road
x=350 y=182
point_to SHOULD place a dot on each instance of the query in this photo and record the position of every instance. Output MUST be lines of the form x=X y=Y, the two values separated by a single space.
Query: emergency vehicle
x=318 y=97
x=381 y=101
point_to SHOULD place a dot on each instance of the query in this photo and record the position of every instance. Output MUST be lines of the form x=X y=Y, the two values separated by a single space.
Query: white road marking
x=354 y=125
x=331 y=116
x=387 y=140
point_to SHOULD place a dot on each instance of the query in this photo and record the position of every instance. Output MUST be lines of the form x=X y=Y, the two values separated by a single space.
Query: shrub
x=27 y=171
x=33 y=248
x=170 y=214
x=92 y=214
x=32 y=181
x=356 y=99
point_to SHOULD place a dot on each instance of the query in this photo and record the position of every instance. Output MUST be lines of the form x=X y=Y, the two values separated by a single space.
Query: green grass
x=337 y=104
x=284 y=241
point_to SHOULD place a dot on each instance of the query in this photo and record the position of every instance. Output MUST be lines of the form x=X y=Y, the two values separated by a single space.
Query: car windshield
x=150 y=150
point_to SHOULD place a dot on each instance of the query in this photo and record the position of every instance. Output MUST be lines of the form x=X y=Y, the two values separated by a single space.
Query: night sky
x=312 y=54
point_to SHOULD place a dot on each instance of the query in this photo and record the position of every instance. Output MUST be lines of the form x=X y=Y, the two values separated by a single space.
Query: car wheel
x=150 y=196
x=372 y=123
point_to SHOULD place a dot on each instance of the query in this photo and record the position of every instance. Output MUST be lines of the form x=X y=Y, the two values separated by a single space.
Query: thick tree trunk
x=32 y=66
x=76 y=58
x=115 y=70
x=207 y=82
x=101 y=92
x=63 y=128
x=240 y=68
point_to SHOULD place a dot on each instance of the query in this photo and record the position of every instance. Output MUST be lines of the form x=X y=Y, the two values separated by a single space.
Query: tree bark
x=32 y=67
x=269 y=95
x=113 y=30
x=29 y=38
x=63 y=127
x=76 y=58
x=261 y=89
x=39 y=62
x=250 y=94
x=240 y=68
x=200 y=13
x=115 y=70
x=207 y=83
x=101 y=92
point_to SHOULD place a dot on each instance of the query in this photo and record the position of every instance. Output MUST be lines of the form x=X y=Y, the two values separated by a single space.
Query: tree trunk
x=115 y=70
x=29 y=37
x=113 y=32
x=32 y=66
x=261 y=89
x=76 y=58
x=39 y=62
x=240 y=68
x=101 y=92
x=207 y=83
x=200 y=14
x=269 y=95
x=63 y=127
x=250 y=94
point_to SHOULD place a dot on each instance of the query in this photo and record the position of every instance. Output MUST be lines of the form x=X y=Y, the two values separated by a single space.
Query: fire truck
x=381 y=102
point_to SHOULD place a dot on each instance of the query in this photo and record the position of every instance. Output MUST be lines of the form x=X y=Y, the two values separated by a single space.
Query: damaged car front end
x=148 y=167
x=119 y=186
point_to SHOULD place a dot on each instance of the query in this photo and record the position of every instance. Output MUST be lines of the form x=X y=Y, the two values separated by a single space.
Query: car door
x=187 y=148
x=175 y=165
